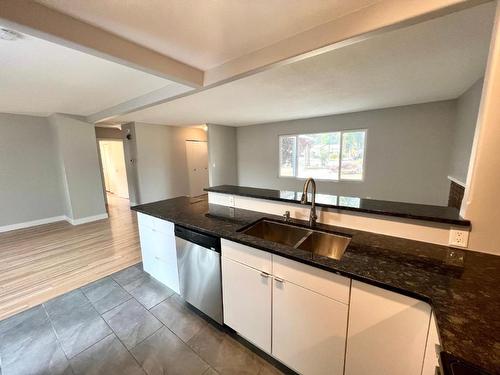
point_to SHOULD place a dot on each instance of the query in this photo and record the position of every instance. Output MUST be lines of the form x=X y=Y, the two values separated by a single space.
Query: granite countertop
x=462 y=286
x=436 y=214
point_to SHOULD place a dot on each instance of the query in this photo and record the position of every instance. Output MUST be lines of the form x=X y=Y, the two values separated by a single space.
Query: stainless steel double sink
x=308 y=239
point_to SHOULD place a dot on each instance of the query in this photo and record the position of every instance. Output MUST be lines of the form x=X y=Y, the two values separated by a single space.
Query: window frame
x=296 y=135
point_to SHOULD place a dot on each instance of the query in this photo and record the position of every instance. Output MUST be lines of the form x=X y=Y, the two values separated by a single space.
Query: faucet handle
x=286 y=216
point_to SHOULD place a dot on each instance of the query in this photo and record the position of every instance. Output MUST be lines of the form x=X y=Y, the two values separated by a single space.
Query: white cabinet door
x=146 y=235
x=309 y=330
x=432 y=349
x=164 y=259
x=387 y=332
x=159 y=257
x=247 y=302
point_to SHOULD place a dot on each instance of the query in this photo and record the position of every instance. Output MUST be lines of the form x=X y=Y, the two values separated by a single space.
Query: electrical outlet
x=458 y=238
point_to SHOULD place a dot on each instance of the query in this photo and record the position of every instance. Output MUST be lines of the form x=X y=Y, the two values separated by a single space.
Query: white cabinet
x=309 y=330
x=321 y=324
x=387 y=332
x=159 y=256
x=432 y=349
x=247 y=302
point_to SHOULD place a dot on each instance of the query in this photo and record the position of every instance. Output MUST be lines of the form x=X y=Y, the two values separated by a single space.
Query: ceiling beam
x=138 y=103
x=43 y=22
x=365 y=23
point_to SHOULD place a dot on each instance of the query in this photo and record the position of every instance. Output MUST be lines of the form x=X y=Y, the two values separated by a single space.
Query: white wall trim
x=87 y=219
x=27 y=224
x=48 y=220
x=453 y=179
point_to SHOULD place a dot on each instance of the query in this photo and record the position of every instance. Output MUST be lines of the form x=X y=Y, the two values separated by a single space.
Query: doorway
x=113 y=168
x=197 y=164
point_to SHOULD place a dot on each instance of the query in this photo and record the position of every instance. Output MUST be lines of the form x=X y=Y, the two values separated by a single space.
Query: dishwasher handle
x=201 y=239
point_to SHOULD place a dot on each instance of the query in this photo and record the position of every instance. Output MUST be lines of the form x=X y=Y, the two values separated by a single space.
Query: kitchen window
x=335 y=156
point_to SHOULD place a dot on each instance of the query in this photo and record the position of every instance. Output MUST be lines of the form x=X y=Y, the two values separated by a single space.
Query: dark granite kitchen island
x=461 y=286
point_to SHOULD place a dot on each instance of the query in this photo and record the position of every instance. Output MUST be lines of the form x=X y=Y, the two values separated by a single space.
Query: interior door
x=104 y=149
x=114 y=170
x=119 y=173
x=197 y=163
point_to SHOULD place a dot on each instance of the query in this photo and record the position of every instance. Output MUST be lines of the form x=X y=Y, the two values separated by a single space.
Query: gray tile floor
x=126 y=324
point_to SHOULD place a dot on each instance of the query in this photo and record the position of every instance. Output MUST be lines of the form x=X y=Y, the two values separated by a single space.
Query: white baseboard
x=33 y=223
x=48 y=220
x=87 y=219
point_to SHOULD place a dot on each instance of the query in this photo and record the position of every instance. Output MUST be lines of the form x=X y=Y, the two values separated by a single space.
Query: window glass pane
x=318 y=155
x=353 y=153
x=287 y=155
x=349 y=202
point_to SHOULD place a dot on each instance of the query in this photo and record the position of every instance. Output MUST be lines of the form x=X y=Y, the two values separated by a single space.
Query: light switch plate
x=459 y=238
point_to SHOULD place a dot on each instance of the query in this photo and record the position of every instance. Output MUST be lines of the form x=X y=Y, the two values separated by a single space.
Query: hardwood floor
x=39 y=263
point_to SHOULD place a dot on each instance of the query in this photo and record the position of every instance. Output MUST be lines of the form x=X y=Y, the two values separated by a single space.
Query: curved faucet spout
x=312 y=216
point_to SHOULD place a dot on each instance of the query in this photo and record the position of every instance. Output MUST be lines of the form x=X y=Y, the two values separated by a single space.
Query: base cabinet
x=322 y=323
x=387 y=332
x=159 y=258
x=432 y=349
x=309 y=330
x=247 y=302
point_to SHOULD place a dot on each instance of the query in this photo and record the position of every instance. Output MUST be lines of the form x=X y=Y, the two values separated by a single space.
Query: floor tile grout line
x=118 y=337
x=144 y=339
x=184 y=342
x=149 y=277
x=112 y=279
x=129 y=350
x=121 y=342
x=120 y=304
x=181 y=340
x=72 y=358
x=100 y=316
x=58 y=340
x=152 y=307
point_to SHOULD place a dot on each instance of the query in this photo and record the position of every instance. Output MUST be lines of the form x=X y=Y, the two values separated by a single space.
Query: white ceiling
x=39 y=77
x=206 y=33
x=431 y=61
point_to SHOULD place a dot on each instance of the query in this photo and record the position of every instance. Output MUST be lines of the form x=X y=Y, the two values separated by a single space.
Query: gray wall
x=30 y=186
x=222 y=155
x=82 y=183
x=161 y=160
x=407 y=155
x=463 y=136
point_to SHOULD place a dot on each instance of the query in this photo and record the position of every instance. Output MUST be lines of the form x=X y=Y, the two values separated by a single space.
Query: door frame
x=101 y=170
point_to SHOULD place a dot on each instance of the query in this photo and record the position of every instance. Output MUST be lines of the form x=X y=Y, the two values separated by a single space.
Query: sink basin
x=281 y=233
x=317 y=242
x=326 y=244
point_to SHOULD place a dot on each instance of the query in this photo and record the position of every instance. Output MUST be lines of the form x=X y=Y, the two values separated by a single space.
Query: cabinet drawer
x=326 y=283
x=163 y=226
x=247 y=255
x=145 y=220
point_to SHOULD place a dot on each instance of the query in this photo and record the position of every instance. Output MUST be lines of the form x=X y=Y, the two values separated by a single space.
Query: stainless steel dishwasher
x=198 y=262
